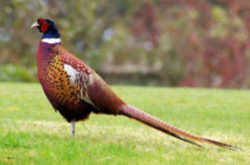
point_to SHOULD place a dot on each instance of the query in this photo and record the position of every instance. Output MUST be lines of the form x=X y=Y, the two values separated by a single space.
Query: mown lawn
x=32 y=133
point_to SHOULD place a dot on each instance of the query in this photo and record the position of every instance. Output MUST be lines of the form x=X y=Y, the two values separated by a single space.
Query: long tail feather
x=149 y=120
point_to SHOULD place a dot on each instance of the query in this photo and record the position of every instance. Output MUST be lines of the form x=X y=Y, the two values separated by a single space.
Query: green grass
x=32 y=133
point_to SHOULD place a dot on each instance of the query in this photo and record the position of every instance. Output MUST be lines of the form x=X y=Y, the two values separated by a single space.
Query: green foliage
x=184 y=42
x=33 y=133
x=16 y=73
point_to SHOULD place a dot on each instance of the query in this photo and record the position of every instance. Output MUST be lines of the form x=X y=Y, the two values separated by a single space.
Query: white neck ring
x=51 y=40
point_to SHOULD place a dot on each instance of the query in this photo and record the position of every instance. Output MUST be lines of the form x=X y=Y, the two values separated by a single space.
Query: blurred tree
x=188 y=43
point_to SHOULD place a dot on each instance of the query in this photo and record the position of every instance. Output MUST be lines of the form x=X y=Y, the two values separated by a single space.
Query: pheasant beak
x=35 y=24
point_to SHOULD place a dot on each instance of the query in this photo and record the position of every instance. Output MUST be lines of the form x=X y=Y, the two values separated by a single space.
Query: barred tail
x=151 y=121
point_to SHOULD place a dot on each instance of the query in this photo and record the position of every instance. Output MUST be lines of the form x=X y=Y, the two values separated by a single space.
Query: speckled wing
x=92 y=88
x=67 y=82
x=79 y=79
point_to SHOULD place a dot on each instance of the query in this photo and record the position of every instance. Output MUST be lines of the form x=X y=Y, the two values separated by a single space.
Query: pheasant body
x=70 y=84
x=56 y=82
x=75 y=90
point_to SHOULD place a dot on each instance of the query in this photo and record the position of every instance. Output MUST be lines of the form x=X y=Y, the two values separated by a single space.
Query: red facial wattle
x=44 y=27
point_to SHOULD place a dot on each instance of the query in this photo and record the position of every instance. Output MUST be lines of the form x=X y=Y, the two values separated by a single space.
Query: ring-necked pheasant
x=76 y=90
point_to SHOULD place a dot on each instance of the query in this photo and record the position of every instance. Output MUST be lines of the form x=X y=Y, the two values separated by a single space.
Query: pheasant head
x=48 y=28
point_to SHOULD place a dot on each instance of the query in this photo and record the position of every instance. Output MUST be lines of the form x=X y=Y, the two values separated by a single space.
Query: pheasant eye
x=41 y=21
